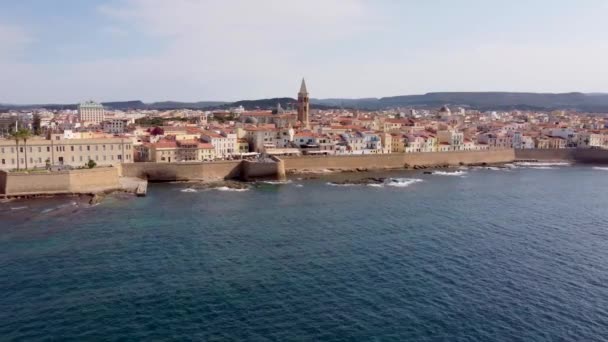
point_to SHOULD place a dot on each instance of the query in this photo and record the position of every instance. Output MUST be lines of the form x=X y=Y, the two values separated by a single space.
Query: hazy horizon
x=189 y=51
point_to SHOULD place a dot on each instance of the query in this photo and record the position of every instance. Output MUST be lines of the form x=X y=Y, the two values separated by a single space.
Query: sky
x=68 y=51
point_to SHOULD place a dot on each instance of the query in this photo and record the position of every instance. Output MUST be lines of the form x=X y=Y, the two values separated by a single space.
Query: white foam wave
x=18 y=208
x=449 y=173
x=376 y=185
x=277 y=182
x=537 y=164
x=402 y=182
x=188 y=190
x=225 y=188
x=299 y=186
x=541 y=167
x=600 y=168
x=336 y=184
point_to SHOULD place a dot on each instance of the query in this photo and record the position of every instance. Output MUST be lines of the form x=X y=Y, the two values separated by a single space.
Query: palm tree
x=18 y=135
x=25 y=134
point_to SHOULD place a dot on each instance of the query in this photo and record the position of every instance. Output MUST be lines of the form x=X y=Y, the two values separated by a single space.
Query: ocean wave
x=600 y=168
x=188 y=190
x=225 y=188
x=402 y=182
x=538 y=164
x=276 y=182
x=542 y=167
x=376 y=185
x=449 y=173
x=299 y=185
x=346 y=184
x=18 y=208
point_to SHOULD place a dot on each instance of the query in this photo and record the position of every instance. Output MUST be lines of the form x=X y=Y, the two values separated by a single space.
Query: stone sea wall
x=62 y=182
x=183 y=171
x=583 y=156
x=396 y=160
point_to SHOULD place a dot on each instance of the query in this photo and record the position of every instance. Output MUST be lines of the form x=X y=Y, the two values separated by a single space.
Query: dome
x=445 y=109
x=251 y=120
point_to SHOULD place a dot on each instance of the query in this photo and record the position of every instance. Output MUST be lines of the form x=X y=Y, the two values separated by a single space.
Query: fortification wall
x=94 y=180
x=252 y=170
x=584 y=156
x=62 y=182
x=183 y=171
x=397 y=160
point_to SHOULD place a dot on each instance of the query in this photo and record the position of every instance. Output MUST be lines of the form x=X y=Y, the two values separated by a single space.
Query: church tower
x=303 y=105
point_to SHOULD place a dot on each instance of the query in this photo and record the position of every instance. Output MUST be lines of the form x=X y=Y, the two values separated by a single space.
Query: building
x=225 y=143
x=173 y=151
x=115 y=126
x=303 y=105
x=90 y=112
x=41 y=153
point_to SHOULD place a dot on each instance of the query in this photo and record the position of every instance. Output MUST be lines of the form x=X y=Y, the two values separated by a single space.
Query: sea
x=479 y=254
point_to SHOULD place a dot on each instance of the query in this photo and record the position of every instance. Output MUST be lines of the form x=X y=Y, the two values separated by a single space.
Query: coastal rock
x=221 y=184
x=362 y=181
x=96 y=198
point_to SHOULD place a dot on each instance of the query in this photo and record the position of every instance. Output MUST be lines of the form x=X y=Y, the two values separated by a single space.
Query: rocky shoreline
x=331 y=170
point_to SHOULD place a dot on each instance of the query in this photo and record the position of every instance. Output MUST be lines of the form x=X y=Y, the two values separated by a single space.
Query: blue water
x=489 y=255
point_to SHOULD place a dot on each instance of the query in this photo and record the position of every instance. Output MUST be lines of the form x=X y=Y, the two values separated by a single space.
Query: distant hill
x=596 y=102
x=485 y=101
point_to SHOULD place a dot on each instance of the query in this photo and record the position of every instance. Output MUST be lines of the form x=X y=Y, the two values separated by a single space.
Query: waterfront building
x=452 y=138
x=90 y=112
x=303 y=105
x=225 y=143
x=175 y=151
x=40 y=153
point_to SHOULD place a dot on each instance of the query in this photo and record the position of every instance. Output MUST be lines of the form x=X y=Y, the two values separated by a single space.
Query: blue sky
x=192 y=50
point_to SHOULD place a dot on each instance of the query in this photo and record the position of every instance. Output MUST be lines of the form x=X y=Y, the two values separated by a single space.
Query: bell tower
x=303 y=105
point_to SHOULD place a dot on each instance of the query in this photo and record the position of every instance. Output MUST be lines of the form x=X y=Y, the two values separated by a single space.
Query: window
x=88 y=149
x=119 y=157
x=72 y=148
x=3 y=161
x=39 y=160
x=96 y=148
x=31 y=160
x=21 y=149
x=80 y=148
x=3 y=150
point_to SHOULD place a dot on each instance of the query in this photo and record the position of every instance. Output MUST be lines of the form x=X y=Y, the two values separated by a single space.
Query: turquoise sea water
x=486 y=255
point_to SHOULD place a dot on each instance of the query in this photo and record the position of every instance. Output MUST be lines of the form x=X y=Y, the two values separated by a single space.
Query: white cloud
x=235 y=49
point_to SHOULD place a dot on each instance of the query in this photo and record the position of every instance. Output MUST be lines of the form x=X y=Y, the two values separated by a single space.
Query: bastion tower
x=303 y=105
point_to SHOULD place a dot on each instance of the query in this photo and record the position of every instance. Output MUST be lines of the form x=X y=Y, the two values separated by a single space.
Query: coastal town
x=94 y=135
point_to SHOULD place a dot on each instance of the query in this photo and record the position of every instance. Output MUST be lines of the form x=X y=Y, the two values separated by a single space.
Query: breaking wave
x=449 y=173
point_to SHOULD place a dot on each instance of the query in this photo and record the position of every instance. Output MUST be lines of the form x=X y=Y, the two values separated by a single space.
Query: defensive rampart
x=183 y=171
x=583 y=156
x=60 y=182
x=397 y=160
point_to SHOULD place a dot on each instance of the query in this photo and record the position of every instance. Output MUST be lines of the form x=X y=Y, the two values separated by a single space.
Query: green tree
x=21 y=134
x=91 y=164
x=36 y=126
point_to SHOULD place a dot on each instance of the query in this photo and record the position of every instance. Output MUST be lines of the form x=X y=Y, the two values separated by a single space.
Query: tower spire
x=303 y=87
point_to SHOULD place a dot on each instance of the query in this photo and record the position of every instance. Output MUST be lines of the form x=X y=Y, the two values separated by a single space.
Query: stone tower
x=303 y=105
